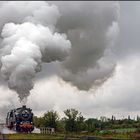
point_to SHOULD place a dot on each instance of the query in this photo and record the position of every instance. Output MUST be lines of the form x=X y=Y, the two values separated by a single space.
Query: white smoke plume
x=5 y=130
x=25 y=46
x=78 y=35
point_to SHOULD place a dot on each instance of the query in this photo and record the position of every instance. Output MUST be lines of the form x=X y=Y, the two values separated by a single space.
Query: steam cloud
x=92 y=28
x=25 y=46
x=34 y=34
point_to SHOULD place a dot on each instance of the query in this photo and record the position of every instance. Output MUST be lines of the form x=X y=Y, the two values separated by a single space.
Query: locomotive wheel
x=18 y=129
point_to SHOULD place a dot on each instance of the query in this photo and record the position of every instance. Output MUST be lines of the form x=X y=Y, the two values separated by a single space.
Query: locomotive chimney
x=24 y=106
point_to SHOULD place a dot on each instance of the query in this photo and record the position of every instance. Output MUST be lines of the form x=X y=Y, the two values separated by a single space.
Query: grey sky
x=111 y=89
x=128 y=40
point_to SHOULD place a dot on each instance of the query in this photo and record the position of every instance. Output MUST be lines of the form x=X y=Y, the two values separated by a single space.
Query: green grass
x=125 y=130
x=33 y=136
x=115 y=133
x=49 y=137
x=41 y=137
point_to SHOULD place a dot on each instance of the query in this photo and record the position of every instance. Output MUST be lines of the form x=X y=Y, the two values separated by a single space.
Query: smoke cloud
x=92 y=28
x=77 y=36
x=25 y=46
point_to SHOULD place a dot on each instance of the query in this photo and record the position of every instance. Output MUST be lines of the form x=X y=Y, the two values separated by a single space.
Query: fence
x=47 y=130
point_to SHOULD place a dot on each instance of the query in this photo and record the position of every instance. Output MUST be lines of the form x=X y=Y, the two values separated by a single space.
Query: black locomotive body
x=20 y=119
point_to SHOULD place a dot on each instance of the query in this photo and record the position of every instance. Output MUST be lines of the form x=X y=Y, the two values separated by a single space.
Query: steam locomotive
x=20 y=120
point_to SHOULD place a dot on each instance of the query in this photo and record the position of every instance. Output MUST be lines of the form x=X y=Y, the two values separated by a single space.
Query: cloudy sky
x=60 y=55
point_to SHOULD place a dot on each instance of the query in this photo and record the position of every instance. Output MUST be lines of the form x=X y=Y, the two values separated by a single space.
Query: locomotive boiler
x=20 y=119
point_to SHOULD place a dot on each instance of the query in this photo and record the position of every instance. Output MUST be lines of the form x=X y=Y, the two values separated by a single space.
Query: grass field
x=63 y=137
x=39 y=136
x=119 y=134
x=33 y=136
x=121 y=131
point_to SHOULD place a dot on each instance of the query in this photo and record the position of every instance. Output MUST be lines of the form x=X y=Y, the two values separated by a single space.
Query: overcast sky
x=98 y=74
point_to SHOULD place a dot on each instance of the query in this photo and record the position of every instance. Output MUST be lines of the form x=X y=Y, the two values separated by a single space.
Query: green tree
x=81 y=125
x=39 y=121
x=92 y=124
x=61 y=125
x=71 y=120
x=51 y=119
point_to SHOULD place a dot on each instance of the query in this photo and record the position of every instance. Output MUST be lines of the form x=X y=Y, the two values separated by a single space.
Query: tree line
x=74 y=121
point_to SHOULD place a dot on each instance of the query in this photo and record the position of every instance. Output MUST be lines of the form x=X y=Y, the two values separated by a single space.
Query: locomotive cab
x=10 y=119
